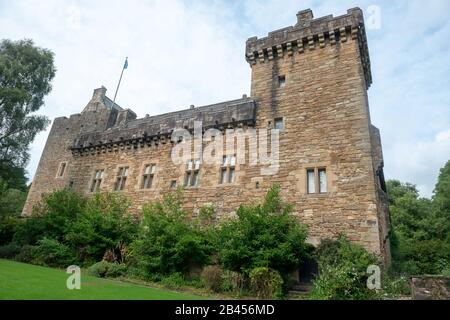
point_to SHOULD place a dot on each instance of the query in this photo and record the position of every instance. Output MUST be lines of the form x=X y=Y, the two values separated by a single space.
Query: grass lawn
x=19 y=281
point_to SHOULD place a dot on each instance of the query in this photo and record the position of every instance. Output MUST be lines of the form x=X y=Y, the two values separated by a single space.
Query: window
x=62 y=169
x=279 y=124
x=323 y=181
x=149 y=174
x=316 y=180
x=121 y=179
x=311 y=183
x=173 y=184
x=281 y=81
x=228 y=170
x=192 y=173
x=96 y=181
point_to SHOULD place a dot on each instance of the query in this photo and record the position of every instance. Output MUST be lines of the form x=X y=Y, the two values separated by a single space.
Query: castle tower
x=312 y=80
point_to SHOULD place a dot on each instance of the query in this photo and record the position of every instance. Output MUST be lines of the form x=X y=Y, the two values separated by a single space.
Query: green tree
x=266 y=235
x=441 y=195
x=26 y=72
x=420 y=229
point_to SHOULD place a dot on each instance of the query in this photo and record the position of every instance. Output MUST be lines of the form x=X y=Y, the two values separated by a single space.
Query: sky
x=184 y=53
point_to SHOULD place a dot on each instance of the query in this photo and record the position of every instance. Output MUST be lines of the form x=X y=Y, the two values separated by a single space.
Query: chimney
x=99 y=93
x=304 y=18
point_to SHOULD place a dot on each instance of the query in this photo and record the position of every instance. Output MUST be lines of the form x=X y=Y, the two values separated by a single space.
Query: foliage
x=173 y=281
x=9 y=251
x=103 y=224
x=88 y=226
x=25 y=75
x=52 y=253
x=441 y=197
x=26 y=254
x=212 y=278
x=266 y=283
x=11 y=204
x=104 y=269
x=168 y=241
x=342 y=271
x=420 y=239
x=232 y=282
x=264 y=235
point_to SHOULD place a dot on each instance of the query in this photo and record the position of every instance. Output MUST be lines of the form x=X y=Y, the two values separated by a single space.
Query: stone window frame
x=316 y=169
x=192 y=171
x=96 y=182
x=282 y=120
x=152 y=174
x=281 y=81
x=120 y=179
x=228 y=167
x=62 y=166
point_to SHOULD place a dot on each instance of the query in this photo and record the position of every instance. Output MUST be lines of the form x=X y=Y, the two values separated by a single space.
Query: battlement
x=309 y=34
x=158 y=129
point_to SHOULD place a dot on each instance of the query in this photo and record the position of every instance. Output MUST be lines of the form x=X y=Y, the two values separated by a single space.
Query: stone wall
x=315 y=77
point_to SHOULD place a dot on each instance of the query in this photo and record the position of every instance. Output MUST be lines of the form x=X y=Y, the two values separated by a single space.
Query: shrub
x=265 y=235
x=104 y=269
x=173 y=281
x=212 y=278
x=26 y=254
x=266 y=283
x=232 y=282
x=168 y=242
x=9 y=251
x=52 y=253
x=343 y=271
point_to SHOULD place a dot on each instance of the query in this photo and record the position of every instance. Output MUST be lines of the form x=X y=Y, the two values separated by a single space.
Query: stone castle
x=309 y=81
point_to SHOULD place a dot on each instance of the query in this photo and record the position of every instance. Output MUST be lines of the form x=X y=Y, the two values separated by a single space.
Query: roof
x=219 y=115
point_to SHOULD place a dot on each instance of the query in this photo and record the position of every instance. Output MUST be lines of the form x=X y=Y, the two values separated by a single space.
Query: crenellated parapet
x=310 y=34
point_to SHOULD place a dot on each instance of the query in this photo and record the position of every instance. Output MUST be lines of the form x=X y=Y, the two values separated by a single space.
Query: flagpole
x=120 y=80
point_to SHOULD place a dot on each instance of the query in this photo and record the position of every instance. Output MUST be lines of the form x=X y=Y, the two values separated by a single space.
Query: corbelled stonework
x=313 y=76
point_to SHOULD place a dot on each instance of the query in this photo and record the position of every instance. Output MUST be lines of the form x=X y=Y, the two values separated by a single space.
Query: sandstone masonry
x=310 y=79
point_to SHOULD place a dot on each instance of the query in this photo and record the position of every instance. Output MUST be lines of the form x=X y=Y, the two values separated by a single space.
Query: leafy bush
x=104 y=269
x=266 y=283
x=174 y=281
x=52 y=253
x=9 y=251
x=168 y=241
x=343 y=271
x=393 y=287
x=232 y=282
x=26 y=254
x=103 y=224
x=88 y=226
x=212 y=278
x=265 y=235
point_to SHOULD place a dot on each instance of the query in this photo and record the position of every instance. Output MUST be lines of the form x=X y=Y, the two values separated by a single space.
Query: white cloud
x=183 y=52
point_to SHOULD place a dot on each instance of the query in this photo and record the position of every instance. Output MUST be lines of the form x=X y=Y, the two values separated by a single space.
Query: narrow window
x=173 y=184
x=311 y=184
x=96 y=181
x=62 y=169
x=148 y=177
x=281 y=81
x=228 y=170
x=121 y=179
x=323 y=181
x=279 y=124
x=231 y=176
x=192 y=173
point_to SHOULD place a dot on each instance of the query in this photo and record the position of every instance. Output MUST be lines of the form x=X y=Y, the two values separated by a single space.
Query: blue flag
x=125 y=66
